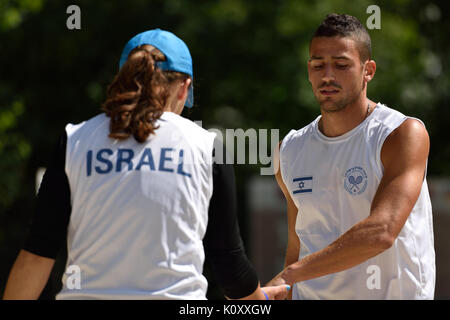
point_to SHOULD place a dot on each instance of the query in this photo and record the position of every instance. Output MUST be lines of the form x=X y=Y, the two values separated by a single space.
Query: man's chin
x=331 y=106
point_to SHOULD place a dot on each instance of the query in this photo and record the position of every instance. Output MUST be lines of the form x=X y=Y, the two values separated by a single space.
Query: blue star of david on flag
x=302 y=185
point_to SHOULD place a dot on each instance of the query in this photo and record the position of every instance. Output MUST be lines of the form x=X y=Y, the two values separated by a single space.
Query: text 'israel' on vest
x=101 y=163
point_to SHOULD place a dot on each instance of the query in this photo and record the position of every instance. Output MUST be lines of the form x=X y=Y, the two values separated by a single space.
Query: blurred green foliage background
x=249 y=72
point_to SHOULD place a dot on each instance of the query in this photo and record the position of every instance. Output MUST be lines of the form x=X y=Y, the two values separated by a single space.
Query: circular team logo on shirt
x=355 y=180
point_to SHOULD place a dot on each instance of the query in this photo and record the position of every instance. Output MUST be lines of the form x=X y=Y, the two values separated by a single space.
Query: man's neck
x=334 y=124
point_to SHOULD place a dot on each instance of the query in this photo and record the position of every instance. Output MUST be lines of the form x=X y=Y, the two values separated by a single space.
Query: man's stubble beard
x=327 y=105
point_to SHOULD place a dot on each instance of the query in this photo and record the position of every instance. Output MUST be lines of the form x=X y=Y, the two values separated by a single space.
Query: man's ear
x=369 y=71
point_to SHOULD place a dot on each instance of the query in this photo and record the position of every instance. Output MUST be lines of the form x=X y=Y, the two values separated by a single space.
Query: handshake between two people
x=277 y=289
x=276 y=292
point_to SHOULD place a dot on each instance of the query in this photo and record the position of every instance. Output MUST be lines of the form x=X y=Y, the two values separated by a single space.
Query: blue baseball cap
x=176 y=51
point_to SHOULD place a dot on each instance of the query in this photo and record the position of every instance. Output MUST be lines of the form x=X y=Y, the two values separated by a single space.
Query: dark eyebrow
x=340 y=58
x=315 y=58
x=334 y=57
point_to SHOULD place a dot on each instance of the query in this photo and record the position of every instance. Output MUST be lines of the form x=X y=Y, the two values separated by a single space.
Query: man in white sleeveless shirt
x=359 y=211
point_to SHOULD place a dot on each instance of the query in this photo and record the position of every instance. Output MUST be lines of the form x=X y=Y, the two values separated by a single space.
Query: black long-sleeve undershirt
x=222 y=242
x=223 y=246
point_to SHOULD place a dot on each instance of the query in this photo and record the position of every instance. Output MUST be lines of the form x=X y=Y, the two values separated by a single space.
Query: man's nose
x=328 y=74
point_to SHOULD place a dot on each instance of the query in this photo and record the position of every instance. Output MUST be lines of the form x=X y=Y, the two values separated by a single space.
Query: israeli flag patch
x=302 y=185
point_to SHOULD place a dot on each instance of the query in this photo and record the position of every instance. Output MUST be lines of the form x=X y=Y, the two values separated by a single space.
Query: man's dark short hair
x=344 y=25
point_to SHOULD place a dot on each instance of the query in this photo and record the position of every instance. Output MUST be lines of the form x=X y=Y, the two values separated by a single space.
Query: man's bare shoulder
x=409 y=142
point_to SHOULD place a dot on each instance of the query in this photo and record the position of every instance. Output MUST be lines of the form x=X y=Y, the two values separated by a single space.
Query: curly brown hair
x=138 y=94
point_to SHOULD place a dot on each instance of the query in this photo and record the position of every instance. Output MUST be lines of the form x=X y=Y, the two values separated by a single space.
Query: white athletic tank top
x=139 y=211
x=332 y=182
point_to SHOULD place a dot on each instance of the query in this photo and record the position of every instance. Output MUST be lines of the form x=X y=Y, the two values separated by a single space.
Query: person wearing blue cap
x=139 y=195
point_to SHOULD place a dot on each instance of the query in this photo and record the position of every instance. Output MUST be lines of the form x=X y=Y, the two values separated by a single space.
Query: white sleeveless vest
x=332 y=182
x=139 y=211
